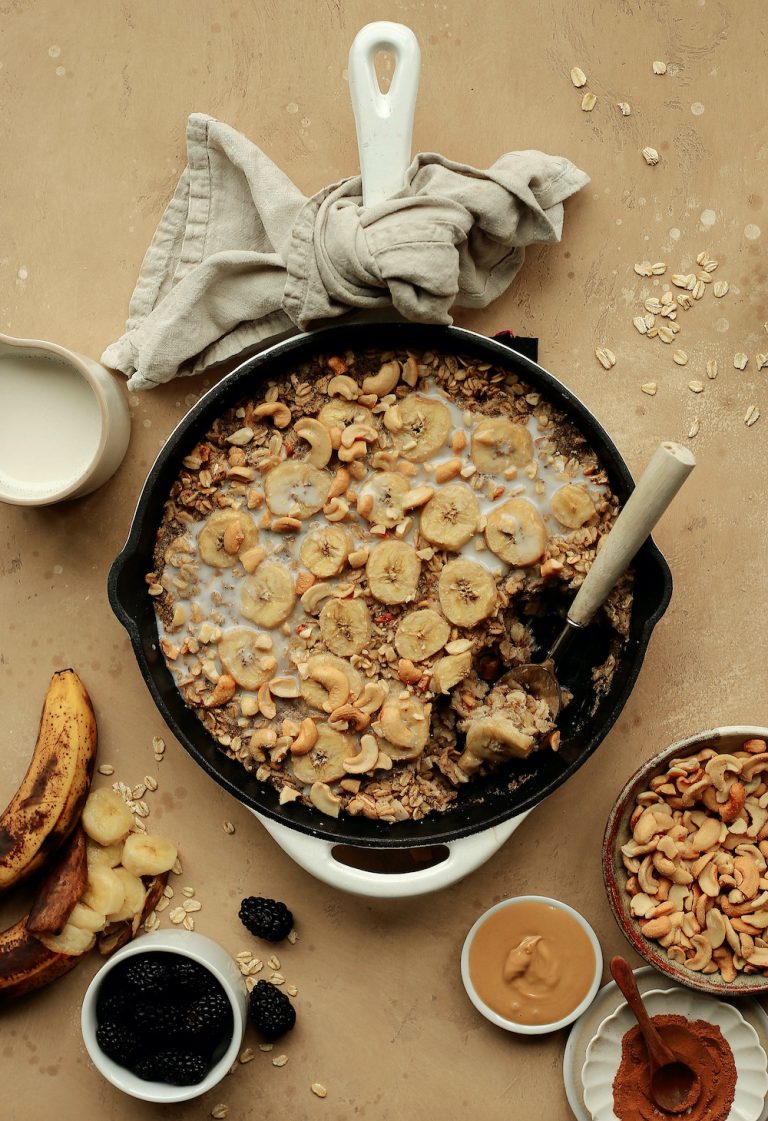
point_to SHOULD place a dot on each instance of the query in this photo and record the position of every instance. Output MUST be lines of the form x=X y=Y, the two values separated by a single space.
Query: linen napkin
x=241 y=254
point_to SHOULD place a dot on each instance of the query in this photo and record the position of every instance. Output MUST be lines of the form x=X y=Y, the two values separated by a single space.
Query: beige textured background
x=95 y=100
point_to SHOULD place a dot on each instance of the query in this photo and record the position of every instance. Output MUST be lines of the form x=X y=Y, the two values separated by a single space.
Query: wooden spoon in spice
x=675 y=1086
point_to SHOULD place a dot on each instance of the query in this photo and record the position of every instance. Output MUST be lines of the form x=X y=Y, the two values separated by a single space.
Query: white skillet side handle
x=384 y=121
x=665 y=474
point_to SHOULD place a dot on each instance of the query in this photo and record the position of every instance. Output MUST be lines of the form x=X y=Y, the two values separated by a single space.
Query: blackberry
x=271 y=1011
x=159 y=1019
x=117 y=1042
x=146 y=976
x=266 y=918
x=190 y=979
x=209 y=1014
x=146 y=1068
x=114 y=1006
x=180 y=1068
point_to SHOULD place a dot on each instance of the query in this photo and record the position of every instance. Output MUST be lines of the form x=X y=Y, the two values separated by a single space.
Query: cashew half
x=383 y=382
x=340 y=484
x=306 y=739
x=747 y=875
x=353 y=717
x=322 y=797
x=703 y=955
x=223 y=692
x=280 y=413
x=715 y=927
x=314 y=596
x=335 y=682
x=318 y=438
x=343 y=386
x=261 y=738
x=365 y=760
x=371 y=699
x=394 y=728
x=354 y=432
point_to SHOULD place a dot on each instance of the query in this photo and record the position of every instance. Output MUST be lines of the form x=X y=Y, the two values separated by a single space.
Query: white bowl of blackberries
x=164 y=1019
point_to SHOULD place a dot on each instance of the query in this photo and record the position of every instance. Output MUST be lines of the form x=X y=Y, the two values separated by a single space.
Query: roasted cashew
x=393 y=421
x=754 y=852
x=758 y=817
x=355 y=451
x=641 y=905
x=383 y=762
x=365 y=760
x=353 y=717
x=657 y=928
x=318 y=438
x=314 y=596
x=306 y=739
x=717 y=767
x=252 y=558
x=645 y=877
x=322 y=797
x=288 y=794
x=354 y=432
x=394 y=728
x=340 y=484
x=336 y=510
x=343 y=386
x=737 y=796
x=286 y=525
x=747 y=875
x=267 y=706
x=753 y=765
x=708 y=880
x=419 y=496
x=223 y=692
x=706 y=836
x=335 y=682
x=261 y=738
x=371 y=699
x=703 y=955
x=715 y=930
x=285 y=687
x=304 y=582
x=383 y=382
x=280 y=413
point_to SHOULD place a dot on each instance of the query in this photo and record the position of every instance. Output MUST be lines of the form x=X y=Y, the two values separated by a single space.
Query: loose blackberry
x=146 y=976
x=114 y=1006
x=159 y=1019
x=146 y=1068
x=117 y=1042
x=180 y=1068
x=271 y=1011
x=190 y=979
x=209 y=1014
x=266 y=918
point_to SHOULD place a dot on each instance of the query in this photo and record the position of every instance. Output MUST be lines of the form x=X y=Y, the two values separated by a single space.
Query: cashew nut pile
x=344 y=569
x=696 y=862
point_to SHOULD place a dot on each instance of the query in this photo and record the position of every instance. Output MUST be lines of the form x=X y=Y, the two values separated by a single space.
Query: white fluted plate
x=604 y=1051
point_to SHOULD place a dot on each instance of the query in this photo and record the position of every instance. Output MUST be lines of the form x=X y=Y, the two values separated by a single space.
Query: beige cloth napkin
x=241 y=254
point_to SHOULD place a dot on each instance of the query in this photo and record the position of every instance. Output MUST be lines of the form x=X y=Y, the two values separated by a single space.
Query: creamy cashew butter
x=531 y=963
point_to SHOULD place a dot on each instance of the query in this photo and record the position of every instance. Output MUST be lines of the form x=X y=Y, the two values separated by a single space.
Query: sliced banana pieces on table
x=572 y=505
x=146 y=854
x=450 y=519
x=243 y=657
x=426 y=424
x=498 y=443
x=516 y=533
x=345 y=626
x=268 y=597
x=467 y=592
x=225 y=535
x=393 y=570
x=325 y=761
x=296 y=489
x=420 y=634
x=325 y=549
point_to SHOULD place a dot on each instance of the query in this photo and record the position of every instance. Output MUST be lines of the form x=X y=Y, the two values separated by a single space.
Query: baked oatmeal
x=347 y=563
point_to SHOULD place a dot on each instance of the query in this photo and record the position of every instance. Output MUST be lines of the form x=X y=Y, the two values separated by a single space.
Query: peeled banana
x=467 y=592
x=46 y=807
x=450 y=519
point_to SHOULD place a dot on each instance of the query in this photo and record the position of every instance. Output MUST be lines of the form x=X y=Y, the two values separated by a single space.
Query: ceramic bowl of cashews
x=685 y=861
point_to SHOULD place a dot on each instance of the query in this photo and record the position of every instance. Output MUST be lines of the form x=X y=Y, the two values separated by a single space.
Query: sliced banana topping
x=380 y=501
x=337 y=413
x=296 y=489
x=572 y=505
x=467 y=592
x=426 y=424
x=420 y=634
x=393 y=572
x=498 y=443
x=324 y=762
x=450 y=519
x=403 y=727
x=267 y=598
x=317 y=695
x=325 y=549
x=345 y=626
x=493 y=739
x=224 y=535
x=516 y=533
x=244 y=658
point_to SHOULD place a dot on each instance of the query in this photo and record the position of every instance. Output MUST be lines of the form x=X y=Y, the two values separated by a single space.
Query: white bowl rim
x=510 y=1025
x=162 y=941
x=694 y=995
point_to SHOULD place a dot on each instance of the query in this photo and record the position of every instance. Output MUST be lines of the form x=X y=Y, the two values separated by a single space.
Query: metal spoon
x=668 y=469
x=675 y=1086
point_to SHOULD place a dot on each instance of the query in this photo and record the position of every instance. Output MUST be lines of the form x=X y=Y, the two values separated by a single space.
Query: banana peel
x=61 y=888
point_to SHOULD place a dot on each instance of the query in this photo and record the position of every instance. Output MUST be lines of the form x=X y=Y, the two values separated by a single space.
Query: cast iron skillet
x=484 y=802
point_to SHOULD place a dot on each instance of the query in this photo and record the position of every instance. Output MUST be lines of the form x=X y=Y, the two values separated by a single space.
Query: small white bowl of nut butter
x=531 y=964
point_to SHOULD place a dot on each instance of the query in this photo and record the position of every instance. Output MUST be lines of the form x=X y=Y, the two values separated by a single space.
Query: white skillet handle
x=665 y=474
x=384 y=121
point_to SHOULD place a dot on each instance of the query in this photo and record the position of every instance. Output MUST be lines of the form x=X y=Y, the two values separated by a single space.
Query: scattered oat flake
x=640 y=324
x=659 y=67
x=712 y=368
x=605 y=357
x=740 y=361
x=280 y=1061
x=177 y=916
x=190 y=905
x=588 y=102
x=188 y=923
x=277 y=979
x=291 y=990
x=318 y=1089
x=266 y=1046
x=658 y=268
x=188 y=891
x=293 y=937
x=696 y=386
x=680 y=357
x=693 y=431
x=643 y=268
x=106 y=769
x=158 y=745
x=229 y=827
x=250 y=983
x=220 y=1111
x=666 y=334
x=751 y=416
x=150 y=783
x=698 y=290
x=177 y=868
x=248 y=1055
x=651 y=156
x=650 y=388
x=761 y=361
x=244 y=955
x=624 y=107
x=578 y=77
x=720 y=288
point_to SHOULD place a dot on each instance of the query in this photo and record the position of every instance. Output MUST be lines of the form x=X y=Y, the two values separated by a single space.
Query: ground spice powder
x=710 y=1056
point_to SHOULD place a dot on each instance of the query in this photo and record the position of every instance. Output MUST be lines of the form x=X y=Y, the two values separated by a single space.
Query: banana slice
x=106 y=818
x=420 y=634
x=107 y=855
x=146 y=854
x=73 y=941
x=451 y=517
x=324 y=550
x=267 y=597
x=498 y=443
x=516 y=533
x=85 y=918
x=387 y=489
x=467 y=592
x=493 y=739
x=314 y=693
x=572 y=505
x=225 y=534
x=296 y=489
x=345 y=626
x=135 y=894
x=325 y=762
x=243 y=659
x=338 y=412
x=403 y=727
x=105 y=892
x=393 y=572
x=426 y=424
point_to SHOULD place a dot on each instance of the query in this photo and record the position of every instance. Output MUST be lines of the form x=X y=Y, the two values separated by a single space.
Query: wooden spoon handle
x=625 y=979
x=665 y=474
